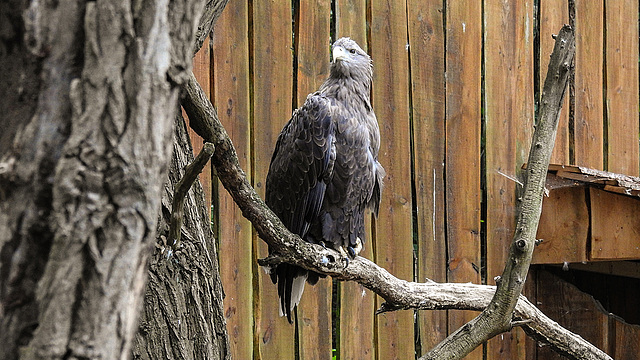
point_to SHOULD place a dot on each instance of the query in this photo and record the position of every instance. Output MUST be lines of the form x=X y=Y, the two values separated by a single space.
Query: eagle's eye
x=353 y=51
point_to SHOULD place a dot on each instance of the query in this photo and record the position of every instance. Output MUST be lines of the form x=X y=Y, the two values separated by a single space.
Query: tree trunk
x=183 y=313
x=92 y=89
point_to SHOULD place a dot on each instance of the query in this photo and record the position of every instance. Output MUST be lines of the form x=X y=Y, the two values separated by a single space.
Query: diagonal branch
x=497 y=317
x=398 y=294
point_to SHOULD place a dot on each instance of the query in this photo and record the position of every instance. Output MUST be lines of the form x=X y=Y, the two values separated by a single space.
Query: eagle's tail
x=290 y=280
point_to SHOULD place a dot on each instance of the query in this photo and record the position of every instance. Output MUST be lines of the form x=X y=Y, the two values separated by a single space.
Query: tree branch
x=210 y=13
x=191 y=173
x=398 y=294
x=497 y=317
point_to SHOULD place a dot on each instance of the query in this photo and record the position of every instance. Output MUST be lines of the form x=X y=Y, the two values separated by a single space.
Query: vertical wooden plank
x=351 y=21
x=463 y=125
x=357 y=305
x=573 y=309
x=201 y=65
x=554 y=14
x=588 y=117
x=426 y=44
x=272 y=108
x=627 y=345
x=622 y=85
x=312 y=46
x=231 y=98
x=393 y=244
x=508 y=71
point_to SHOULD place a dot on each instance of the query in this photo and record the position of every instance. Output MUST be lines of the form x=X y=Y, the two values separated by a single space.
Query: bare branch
x=191 y=173
x=210 y=13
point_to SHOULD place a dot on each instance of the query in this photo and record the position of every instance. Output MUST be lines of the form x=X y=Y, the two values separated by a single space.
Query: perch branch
x=182 y=187
x=497 y=317
x=398 y=294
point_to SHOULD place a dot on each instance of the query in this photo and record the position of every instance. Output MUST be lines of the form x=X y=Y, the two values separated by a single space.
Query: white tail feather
x=297 y=288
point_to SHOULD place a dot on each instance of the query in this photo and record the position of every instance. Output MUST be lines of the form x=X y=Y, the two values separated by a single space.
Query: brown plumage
x=325 y=171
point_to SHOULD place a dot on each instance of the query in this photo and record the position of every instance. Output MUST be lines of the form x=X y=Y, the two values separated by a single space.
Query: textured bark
x=82 y=173
x=183 y=313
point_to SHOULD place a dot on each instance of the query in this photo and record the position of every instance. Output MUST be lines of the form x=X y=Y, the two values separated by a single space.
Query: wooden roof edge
x=618 y=183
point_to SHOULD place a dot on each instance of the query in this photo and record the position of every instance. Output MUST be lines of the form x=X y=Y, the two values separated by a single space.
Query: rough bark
x=35 y=118
x=498 y=316
x=183 y=313
x=398 y=294
x=82 y=173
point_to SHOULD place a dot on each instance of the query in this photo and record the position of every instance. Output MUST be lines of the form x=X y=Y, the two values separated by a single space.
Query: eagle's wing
x=302 y=165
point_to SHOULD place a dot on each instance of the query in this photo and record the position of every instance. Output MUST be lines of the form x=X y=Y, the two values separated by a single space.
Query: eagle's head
x=349 y=60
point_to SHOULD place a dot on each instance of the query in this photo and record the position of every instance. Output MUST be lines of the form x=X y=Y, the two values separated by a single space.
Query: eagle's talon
x=355 y=250
x=352 y=252
x=345 y=256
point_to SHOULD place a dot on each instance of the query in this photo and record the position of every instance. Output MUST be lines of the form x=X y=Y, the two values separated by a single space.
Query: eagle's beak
x=339 y=53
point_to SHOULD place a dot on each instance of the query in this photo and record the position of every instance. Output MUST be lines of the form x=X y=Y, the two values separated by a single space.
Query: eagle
x=324 y=171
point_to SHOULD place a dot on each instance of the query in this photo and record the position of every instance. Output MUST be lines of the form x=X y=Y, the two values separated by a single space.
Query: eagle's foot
x=350 y=252
x=355 y=250
x=344 y=256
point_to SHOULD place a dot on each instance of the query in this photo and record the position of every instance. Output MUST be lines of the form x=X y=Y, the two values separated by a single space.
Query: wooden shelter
x=456 y=86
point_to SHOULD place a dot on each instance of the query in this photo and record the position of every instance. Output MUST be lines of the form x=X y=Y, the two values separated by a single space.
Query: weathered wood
x=356 y=339
x=463 y=127
x=573 y=309
x=272 y=107
x=312 y=43
x=622 y=87
x=627 y=340
x=564 y=227
x=426 y=47
x=497 y=317
x=235 y=237
x=554 y=14
x=614 y=237
x=588 y=116
x=508 y=66
x=351 y=21
x=391 y=104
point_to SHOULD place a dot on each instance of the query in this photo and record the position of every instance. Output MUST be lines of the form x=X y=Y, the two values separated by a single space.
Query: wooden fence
x=456 y=86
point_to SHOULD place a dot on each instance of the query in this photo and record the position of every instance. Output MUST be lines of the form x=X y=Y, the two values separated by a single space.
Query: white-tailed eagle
x=325 y=171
